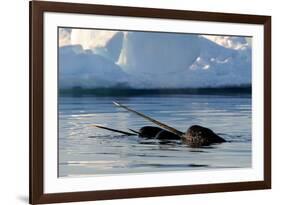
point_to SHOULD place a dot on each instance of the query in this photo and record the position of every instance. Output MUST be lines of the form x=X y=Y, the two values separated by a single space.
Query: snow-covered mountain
x=153 y=60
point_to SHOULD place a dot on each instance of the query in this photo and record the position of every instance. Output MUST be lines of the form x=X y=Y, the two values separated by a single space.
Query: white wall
x=14 y=101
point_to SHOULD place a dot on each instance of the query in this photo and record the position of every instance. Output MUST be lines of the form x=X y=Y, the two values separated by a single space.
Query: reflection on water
x=86 y=150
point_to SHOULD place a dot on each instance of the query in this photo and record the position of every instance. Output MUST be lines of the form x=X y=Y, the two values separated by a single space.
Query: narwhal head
x=197 y=136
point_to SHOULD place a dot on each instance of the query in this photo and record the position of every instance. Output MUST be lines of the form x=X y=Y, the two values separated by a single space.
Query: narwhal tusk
x=164 y=126
x=113 y=130
x=135 y=131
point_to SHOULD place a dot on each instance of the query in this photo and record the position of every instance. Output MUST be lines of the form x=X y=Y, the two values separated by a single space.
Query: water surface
x=85 y=150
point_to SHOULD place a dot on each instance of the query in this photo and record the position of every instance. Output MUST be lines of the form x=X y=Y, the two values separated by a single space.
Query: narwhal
x=195 y=136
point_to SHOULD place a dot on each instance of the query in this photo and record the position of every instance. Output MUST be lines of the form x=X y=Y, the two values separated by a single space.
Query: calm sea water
x=85 y=150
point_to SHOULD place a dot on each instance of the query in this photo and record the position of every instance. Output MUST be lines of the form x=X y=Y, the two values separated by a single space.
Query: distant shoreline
x=230 y=90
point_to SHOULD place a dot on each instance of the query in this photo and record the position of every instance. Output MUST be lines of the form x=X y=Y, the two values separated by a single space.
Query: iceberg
x=152 y=60
x=82 y=68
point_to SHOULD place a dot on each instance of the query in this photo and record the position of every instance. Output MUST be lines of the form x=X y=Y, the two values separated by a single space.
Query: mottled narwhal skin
x=198 y=136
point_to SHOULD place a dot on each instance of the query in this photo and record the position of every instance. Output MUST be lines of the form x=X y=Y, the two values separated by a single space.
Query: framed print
x=138 y=102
